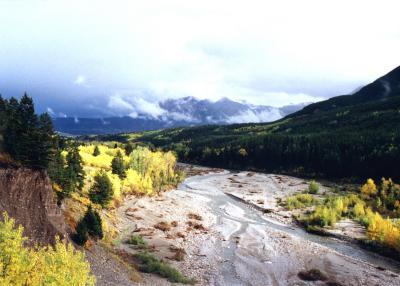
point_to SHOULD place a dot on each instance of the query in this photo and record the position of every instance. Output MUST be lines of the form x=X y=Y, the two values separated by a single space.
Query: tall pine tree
x=74 y=171
x=118 y=166
x=101 y=192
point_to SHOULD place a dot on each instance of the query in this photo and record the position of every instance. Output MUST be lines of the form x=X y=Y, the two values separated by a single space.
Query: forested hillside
x=348 y=136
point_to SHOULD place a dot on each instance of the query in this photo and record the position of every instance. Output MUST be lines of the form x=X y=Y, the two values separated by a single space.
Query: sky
x=105 y=58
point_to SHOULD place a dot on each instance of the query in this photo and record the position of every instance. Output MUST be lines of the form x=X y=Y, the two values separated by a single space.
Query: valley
x=225 y=241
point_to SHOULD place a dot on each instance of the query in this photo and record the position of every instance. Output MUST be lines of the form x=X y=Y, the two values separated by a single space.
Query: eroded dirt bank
x=224 y=241
x=27 y=196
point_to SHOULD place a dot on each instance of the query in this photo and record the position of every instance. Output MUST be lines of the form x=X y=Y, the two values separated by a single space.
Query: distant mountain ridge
x=350 y=136
x=186 y=111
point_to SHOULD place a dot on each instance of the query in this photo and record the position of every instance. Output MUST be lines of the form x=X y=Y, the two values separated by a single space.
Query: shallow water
x=222 y=205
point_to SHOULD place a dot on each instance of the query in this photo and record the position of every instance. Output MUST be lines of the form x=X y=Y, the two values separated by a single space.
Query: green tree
x=118 y=166
x=93 y=223
x=128 y=149
x=74 y=171
x=101 y=192
x=28 y=138
x=81 y=235
x=89 y=225
x=45 y=144
x=96 y=151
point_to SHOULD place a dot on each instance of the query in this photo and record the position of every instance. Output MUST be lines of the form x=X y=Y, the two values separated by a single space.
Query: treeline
x=361 y=154
x=27 y=137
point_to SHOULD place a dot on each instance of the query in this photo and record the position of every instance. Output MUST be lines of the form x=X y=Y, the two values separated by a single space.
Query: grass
x=150 y=264
x=137 y=240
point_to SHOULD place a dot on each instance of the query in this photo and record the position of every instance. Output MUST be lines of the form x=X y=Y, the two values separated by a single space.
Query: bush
x=150 y=264
x=300 y=201
x=312 y=275
x=137 y=240
x=369 y=188
x=313 y=187
x=59 y=265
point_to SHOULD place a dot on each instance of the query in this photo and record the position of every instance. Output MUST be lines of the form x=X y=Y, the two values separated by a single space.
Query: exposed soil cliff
x=27 y=196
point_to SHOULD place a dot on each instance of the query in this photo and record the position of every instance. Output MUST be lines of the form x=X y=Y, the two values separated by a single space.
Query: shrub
x=137 y=240
x=59 y=265
x=312 y=275
x=313 y=187
x=369 y=188
x=300 y=201
x=150 y=264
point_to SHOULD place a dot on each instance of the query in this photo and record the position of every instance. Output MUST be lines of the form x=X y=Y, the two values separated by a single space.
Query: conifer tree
x=117 y=165
x=89 y=225
x=93 y=222
x=101 y=192
x=45 y=144
x=28 y=138
x=128 y=149
x=96 y=151
x=74 y=171
x=81 y=235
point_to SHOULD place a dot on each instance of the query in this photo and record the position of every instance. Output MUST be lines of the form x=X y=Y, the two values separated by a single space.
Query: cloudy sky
x=96 y=58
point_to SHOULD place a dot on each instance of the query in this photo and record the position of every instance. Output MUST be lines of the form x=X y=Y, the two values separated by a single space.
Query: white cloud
x=118 y=104
x=50 y=111
x=80 y=80
x=255 y=117
x=146 y=107
x=262 y=51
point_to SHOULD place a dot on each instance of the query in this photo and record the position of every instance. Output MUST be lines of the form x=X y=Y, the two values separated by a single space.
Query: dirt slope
x=27 y=196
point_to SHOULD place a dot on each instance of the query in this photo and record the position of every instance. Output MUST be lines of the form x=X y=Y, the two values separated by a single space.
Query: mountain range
x=187 y=111
x=356 y=135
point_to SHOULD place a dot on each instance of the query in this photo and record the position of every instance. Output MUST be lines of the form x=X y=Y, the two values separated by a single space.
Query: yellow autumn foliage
x=147 y=172
x=369 y=188
x=60 y=265
x=383 y=230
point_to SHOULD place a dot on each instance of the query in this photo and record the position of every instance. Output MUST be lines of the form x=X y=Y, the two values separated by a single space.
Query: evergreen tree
x=27 y=131
x=81 y=235
x=117 y=165
x=46 y=143
x=27 y=137
x=96 y=151
x=74 y=171
x=93 y=222
x=2 y=113
x=128 y=149
x=101 y=192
